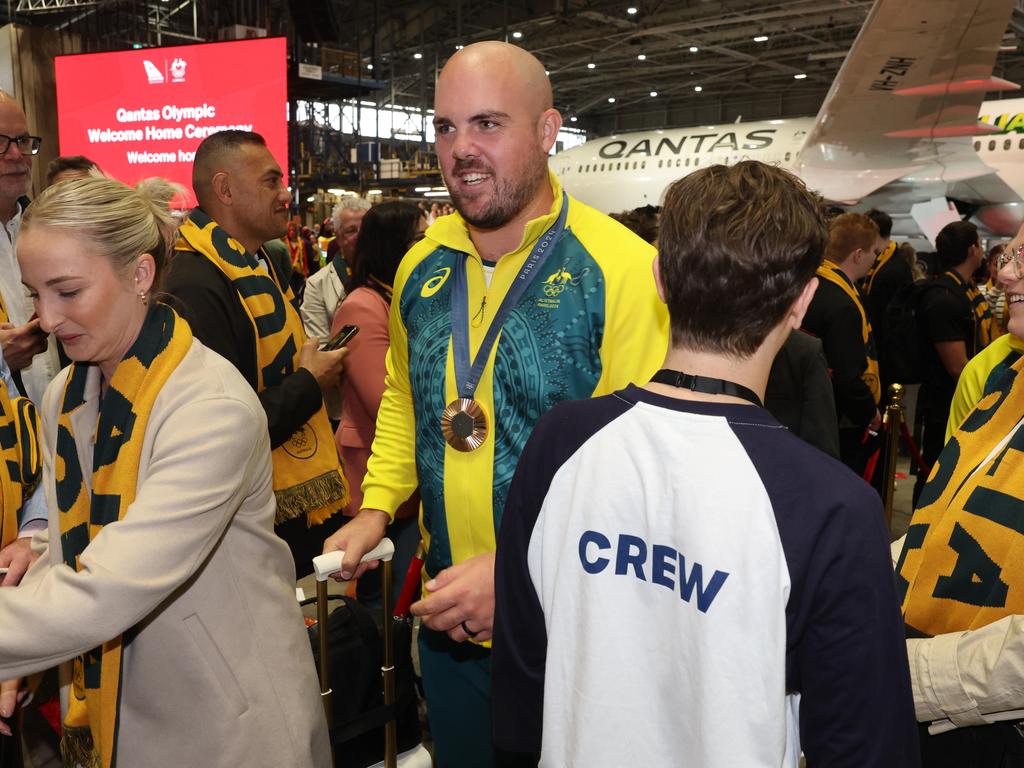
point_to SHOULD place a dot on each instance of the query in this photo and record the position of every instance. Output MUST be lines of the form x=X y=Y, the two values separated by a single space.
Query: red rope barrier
x=915 y=454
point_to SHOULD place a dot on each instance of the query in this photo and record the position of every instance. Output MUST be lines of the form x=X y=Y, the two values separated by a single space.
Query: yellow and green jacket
x=589 y=324
x=980 y=377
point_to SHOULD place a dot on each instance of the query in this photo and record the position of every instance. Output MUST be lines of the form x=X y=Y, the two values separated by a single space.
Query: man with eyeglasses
x=25 y=350
x=20 y=335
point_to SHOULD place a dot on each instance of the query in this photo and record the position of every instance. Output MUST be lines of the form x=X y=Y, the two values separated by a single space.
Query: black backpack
x=902 y=357
x=356 y=655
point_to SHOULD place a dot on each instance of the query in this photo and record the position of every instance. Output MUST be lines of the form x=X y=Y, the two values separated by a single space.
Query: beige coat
x=217 y=667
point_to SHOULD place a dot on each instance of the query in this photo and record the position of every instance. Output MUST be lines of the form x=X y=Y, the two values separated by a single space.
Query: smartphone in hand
x=341 y=338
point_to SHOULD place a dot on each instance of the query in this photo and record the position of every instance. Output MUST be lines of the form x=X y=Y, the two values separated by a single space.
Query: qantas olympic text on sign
x=143 y=112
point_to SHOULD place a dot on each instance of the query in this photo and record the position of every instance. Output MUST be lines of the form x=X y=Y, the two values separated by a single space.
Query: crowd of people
x=622 y=443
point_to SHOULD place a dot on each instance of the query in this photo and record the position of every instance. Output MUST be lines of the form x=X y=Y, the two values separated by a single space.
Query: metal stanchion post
x=322 y=612
x=391 y=727
x=892 y=420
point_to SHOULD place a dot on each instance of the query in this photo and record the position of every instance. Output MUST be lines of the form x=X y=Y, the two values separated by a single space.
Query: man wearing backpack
x=954 y=324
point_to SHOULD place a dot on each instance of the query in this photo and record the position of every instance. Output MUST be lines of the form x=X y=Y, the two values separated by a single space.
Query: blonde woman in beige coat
x=188 y=584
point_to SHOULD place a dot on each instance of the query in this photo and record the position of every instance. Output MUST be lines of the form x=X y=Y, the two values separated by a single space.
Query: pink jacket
x=362 y=386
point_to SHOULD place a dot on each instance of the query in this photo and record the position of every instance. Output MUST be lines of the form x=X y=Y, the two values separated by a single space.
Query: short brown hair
x=737 y=244
x=66 y=163
x=847 y=233
x=111 y=218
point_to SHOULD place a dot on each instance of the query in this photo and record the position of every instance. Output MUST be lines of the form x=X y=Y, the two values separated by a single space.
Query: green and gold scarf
x=830 y=272
x=19 y=460
x=881 y=261
x=962 y=564
x=91 y=723
x=308 y=478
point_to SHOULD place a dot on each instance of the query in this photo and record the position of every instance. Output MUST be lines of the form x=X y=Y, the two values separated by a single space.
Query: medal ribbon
x=467 y=375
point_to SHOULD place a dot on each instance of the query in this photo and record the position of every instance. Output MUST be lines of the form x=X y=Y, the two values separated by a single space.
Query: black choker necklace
x=705 y=384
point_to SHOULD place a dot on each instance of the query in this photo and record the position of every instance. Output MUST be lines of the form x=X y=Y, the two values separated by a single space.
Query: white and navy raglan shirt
x=686 y=583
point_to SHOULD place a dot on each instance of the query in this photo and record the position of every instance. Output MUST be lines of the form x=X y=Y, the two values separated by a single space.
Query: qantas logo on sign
x=154 y=74
x=175 y=72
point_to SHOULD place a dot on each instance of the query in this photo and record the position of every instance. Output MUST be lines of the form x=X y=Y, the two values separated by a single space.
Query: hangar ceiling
x=700 y=58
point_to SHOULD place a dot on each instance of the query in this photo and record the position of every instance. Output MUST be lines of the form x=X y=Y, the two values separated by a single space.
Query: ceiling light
x=517 y=35
x=374 y=192
x=761 y=39
x=573 y=119
x=800 y=76
x=698 y=88
x=369 y=66
x=642 y=56
x=435 y=194
x=591 y=65
x=653 y=94
x=417 y=55
x=459 y=47
x=310 y=199
x=632 y=10
x=694 y=49
x=546 y=72
x=421 y=189
x=611 y=99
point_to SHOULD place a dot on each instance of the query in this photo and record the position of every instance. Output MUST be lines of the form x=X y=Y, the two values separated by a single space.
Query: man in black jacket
x=837 y=317
x=240 y=186
x=888 y=276
x=952 y=332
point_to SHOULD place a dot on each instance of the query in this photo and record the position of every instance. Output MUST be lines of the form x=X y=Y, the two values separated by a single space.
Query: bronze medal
x=464 y=424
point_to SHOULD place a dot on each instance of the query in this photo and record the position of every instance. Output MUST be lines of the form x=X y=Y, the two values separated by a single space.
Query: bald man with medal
x=521 y=299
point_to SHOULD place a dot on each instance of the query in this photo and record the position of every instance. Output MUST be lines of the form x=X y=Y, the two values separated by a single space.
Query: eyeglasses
x=27 y=145
x=1012 y=257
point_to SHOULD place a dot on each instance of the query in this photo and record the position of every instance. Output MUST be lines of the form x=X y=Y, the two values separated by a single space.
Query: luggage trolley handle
x=324 y=566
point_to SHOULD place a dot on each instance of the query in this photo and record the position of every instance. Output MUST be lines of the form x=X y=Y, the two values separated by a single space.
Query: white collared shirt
x=19 y=309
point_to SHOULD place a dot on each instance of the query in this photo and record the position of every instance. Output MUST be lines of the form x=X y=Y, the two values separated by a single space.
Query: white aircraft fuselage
x=630 y=170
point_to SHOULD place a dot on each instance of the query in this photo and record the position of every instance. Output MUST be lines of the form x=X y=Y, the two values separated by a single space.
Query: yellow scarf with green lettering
x=19 y=455
x=19 y=460
x=962 y=565
x=829 y=271
x=89 y=735
x=308 y=478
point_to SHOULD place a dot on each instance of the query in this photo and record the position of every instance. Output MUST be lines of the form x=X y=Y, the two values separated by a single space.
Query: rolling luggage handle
x=323 y=567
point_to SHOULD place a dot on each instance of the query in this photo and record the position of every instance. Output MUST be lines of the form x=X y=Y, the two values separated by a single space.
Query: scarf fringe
x=77 y=749
x=318 y=498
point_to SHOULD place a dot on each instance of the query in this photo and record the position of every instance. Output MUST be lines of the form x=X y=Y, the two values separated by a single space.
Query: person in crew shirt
x=837 y=317
x=679 y=580
x=587 y=322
